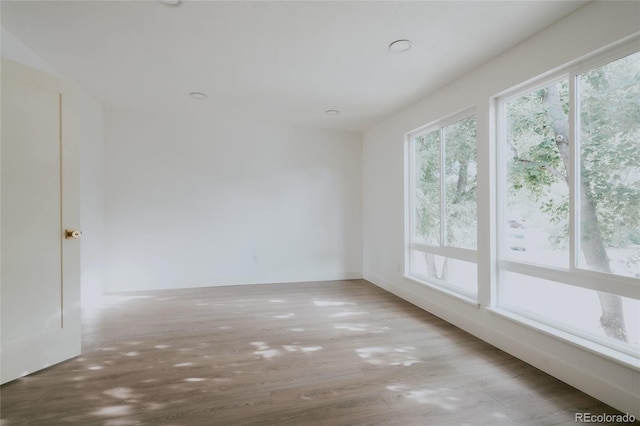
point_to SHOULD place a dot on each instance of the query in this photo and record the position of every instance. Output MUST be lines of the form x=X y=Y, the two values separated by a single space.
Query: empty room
x=320 y=212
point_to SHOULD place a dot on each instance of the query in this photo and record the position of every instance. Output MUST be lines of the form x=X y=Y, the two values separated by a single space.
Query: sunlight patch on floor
x=347 y=314
x=194 y=379
x=350 y=327
x=184 y=364
x=96 y=367
x=264 y=351
x=162 y=346
x=385 y=355
x=442 y=397
x=296 y=329
x=120 y=393
x=305 y=349
x=277 y=301
x=285 y=316
x=361 y=327
x=324 y=303
x=268 y=353
x=114 y=410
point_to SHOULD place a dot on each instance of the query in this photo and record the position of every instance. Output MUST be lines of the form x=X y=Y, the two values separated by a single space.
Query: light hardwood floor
x=326 y=353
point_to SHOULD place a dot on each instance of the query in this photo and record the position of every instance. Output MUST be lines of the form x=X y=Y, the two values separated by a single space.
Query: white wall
x=91 y=199
x=207 y=200
x=91 y=169
x=589 y=29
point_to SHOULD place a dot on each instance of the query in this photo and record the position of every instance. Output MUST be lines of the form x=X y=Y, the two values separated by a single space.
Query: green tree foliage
x=427 y=155
x=460 y=183
x=537 y=173
x=610 y=147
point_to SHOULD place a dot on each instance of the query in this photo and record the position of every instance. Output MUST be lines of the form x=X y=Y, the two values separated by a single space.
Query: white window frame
x=573 y=275
x=467 y=255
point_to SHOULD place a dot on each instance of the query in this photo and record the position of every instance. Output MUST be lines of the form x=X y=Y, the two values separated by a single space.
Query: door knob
x=72 y=234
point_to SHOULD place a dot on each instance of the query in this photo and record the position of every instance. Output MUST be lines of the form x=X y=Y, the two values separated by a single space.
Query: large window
x=442 y=205
x=569 y=203
x=567 y=185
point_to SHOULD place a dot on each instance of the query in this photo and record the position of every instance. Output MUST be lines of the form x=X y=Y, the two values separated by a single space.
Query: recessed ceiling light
x=170 y=2
x=400 y=45
x=198 y=95
x=332 y=112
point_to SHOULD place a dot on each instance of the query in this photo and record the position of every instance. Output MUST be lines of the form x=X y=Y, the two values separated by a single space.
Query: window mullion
x=500 y=205
x=412 y=190
x=443 y=219
x=411 y=208
x=573 y=170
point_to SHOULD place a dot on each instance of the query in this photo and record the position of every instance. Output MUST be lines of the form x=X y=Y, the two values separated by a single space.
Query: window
x=569 y=203
x=442 y=205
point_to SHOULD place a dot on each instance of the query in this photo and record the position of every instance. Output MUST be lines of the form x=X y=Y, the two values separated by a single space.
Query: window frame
x=444 y=250
x=574 y=275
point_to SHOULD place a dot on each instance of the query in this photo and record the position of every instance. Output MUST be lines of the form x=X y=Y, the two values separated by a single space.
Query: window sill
x=602 y=351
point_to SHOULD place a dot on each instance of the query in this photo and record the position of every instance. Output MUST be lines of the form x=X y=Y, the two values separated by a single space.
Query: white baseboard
x=125 y=286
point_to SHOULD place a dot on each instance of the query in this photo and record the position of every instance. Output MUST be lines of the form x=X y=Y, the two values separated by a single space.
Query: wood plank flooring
x=325 y=353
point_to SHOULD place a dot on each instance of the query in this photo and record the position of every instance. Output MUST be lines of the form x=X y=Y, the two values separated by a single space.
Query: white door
x=39 y=268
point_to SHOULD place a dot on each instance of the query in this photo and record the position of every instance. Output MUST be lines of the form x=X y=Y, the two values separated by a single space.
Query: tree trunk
x=444 y=276
x=432 y=268
x=432 y=271
x=461 y=185
x=591 y=244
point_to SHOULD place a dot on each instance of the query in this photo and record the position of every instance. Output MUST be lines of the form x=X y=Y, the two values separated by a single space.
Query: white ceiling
x=281 y=61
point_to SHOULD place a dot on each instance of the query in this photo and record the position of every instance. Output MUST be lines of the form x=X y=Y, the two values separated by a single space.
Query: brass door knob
x=72 y=234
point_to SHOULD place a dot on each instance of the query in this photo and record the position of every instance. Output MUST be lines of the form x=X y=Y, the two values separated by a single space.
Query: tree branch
x=541 y=166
